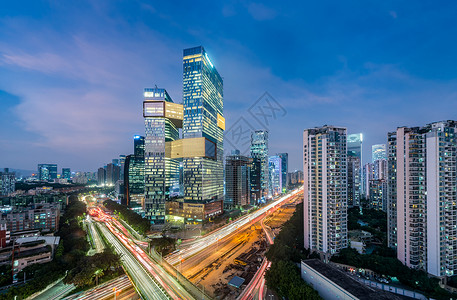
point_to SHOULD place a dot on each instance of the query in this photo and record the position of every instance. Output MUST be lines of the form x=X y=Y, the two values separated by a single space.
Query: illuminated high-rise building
x=134 y=175
x=325 y=189
x=237 y=180
x=284 y=170
x=354 y=153
x=162 y=118
x=66 y=173
x=203 y=128
x=426 y=197
x=259 y=151
x=392 y=189
x=378 y=152
x=47 y=172
x=275 y=175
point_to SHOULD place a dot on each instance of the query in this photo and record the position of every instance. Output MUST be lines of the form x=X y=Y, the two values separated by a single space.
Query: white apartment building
x=325 y=189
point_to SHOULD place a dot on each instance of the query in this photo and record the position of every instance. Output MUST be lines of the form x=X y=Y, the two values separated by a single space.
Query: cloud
x=260 y=12
x=393 y=14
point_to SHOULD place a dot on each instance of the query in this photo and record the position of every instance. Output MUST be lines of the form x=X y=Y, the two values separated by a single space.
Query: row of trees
x=284 y=275
x=140 y=224
x=392 y=267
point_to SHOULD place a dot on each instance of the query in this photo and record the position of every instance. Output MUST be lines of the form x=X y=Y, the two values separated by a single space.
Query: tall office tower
x=203 y=128
x=259 y=150
x=66 y=173
x=275 y=174
x=47 y=172
x=426 y=197
x=378 y=152
x=353 y=179
x=121 y=165
x=255 y=181
x=115 y=161
x=354 y=149
x=367 y=175
x=101 y=176
x=325 y=189
x=112 y=173
x=162 y=118
x=237 y=180
x=7 y=182
x=284 y=169
x=392 y=189
x=134 y=174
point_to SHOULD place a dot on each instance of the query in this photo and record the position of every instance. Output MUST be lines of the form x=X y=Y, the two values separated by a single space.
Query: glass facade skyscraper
x=162 y=118
x=275 y=175
x=203 y=127
x=354 y=151
x=259 y=151
x=284 y=170
x=47 y=172
x=134 y=174
x=378 y=152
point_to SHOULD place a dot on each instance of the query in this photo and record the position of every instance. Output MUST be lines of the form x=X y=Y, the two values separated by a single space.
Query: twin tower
x=200 y=150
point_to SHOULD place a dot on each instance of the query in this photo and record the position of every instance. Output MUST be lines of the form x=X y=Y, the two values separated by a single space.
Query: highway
x=142 y=279
x=155 y=271
x=121 y=286
x=192 y=248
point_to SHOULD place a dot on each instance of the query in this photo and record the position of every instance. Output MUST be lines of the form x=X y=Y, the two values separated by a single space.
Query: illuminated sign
x=136 y=137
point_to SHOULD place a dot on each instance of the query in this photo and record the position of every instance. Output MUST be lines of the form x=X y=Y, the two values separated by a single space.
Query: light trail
x=201 y=243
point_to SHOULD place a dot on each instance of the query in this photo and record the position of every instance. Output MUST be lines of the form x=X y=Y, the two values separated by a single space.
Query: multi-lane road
x=193 y=247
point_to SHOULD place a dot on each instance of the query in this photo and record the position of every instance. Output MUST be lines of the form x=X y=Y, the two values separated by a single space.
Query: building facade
x=66 y=173
x=284 y=170
x=354 y=150
x=203 y=127
x=378 y=152
x=237 y=180
x=162 y=118
x=425 y=195
x=392 y=189
x=259 y=152
x=325 y=189
x=275 y=175
x=47 y=172
x=134 y=175
x=7 y=182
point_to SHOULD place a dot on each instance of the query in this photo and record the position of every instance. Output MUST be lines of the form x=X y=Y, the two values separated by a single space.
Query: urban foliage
x=391 y=266
x=73 y=246
x=164 y=245
x=140 y=224
x=284 y=276
x=375 y=220
x=91 y=268
x=69 y=255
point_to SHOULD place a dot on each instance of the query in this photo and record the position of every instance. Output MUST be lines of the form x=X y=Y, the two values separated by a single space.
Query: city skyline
x=316 y=78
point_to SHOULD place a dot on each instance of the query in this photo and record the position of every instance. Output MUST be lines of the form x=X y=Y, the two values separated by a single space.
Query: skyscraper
x=378 y=152
x=112 y=174
x=203 y=128
x=275 y=175
x=237 y=180
x=101 y=176
x=426 y=197
x=392 y=189
x=325 y=189
x=354 y=151
x=353 y=188
x=47 y=172
x=284 y=169
x=66 y=173
x=162 y=118
x=259 y=151
x=134 y=174
x=7 y=182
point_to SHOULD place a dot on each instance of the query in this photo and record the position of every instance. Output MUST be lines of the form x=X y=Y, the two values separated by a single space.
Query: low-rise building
x=192 y=212
x=42 y=216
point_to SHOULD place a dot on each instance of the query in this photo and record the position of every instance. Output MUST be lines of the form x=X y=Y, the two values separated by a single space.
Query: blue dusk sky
x=72 y=73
